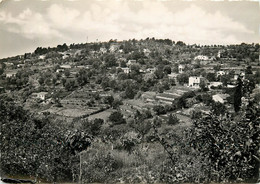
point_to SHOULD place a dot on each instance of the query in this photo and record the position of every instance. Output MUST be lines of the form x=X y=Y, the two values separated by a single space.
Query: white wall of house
x=220 y=73
x=126 y=70
x=194 y=82
x=180 y=68
x=201 y=57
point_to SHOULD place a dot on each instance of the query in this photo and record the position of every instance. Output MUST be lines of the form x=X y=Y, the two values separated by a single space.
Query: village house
x=219 y=53
x=141 y=70
x=150 y=70
x=222 y=98
x=64 y=56
x=146 y=52
x=59 y=70
x=40 y=95
x=65 y=66
x=231 y=86
x=103 y=50
x=181 y=68
x=240 y=74
x=131 y=62
x=77 y=53
x=10 y=74
x=165 y=98
x=201 y=57
x=114 y=47
x=126 y=70
x=81 y=66
x=42 y=57
x=120 y=50
x=204 y=62
x=194 y=81
x=9 y=64
x=20 y=65
x=220 y=73
x=169 y=96
x=215 y=84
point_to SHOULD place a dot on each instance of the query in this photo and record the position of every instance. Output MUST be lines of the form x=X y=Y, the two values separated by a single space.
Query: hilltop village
x=95 y=79
x=130 y=94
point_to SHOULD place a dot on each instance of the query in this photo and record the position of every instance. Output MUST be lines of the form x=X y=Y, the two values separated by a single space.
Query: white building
x=215 y=84
x=150 y=70
x=194 y=81
x=42 y=57
x=219 y=54
x=239 y=74
x=146 y=52
x=103 y=50
x=114 y=47
x=10 y=74
x=220 y=73
x=40 y=95
x=126 y=70
x=222 y=98
x=65 y=55
x=131 y=62
x=201 y=57
x=65 y=66
x=181 y=68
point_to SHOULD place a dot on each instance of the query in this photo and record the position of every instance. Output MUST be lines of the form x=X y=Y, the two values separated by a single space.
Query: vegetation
x=92 y=112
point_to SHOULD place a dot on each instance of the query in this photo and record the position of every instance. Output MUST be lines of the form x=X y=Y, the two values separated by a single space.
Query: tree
x=92 y=127
x=218 y=108
x=82 y=77
x=129 y=92
x=248 y=70
x=62 y=48
x=116 y=103
x=203 y=85
x=41 y=80
x=117 y=118
x=229 y=145
x=159 y=109
x=38 y=147
x=211 y=77
x=173 y=120
x=159 y=74
x=238 y=95
x=167 y=69
x=70 y=85
x=110 y=60
x=217 y=67
x=67 y=73
x=122 y=76
x=109 y=100
x=183 y=78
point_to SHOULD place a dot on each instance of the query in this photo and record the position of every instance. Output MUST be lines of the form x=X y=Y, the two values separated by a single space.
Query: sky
x=28 y=24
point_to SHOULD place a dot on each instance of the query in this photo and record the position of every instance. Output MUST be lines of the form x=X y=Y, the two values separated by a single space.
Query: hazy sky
x=27 y=24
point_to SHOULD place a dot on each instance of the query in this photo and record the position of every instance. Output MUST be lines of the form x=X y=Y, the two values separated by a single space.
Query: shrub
x=173 y=120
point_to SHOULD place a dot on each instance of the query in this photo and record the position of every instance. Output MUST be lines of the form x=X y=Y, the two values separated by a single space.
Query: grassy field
x=102 y=115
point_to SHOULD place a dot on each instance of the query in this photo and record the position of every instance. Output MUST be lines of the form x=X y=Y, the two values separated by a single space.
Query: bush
x=100 y=166
x=117 y=118
x=173 y=120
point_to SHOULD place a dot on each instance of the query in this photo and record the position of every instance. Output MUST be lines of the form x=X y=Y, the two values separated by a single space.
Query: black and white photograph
x=129 y=91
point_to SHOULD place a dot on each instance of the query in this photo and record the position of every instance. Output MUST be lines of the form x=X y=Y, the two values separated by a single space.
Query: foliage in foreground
x=214 y=148
x=36 y=147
